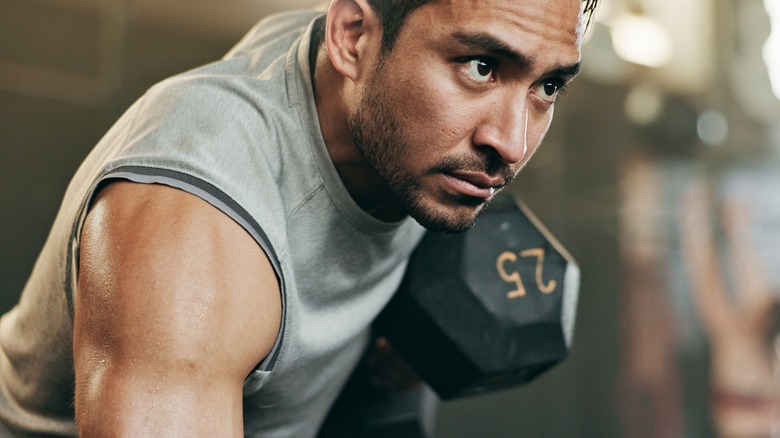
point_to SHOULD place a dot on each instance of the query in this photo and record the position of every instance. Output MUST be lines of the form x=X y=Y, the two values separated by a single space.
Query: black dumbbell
x=486 y=309
x=478 y=311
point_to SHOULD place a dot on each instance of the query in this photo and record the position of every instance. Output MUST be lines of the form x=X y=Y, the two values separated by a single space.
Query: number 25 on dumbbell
x=508 y=257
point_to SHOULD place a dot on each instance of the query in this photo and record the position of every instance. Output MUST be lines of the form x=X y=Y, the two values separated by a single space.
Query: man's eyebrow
x=483 y=42
x=568 y=71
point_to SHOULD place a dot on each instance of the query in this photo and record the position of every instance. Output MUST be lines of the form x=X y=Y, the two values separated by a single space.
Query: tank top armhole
x=217 y=198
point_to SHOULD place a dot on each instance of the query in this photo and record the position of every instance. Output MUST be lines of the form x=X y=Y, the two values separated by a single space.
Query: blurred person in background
x=738 y=310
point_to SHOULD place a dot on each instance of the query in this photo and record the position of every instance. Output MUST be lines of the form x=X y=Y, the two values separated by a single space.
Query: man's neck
x=362 y=182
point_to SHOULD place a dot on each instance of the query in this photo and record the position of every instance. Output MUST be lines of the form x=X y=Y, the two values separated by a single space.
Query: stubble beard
x=379 y=136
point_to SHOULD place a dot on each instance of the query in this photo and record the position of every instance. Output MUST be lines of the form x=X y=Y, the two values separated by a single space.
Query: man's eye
x=549 y=89
x=480 y=69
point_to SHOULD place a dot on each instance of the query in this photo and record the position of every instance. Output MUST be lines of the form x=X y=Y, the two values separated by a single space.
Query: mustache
x=486 y=164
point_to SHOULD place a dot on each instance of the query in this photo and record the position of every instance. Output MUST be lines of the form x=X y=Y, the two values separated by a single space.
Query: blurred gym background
x=661 y=175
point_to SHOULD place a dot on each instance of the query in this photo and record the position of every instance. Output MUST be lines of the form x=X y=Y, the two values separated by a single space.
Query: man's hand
x=387 y=369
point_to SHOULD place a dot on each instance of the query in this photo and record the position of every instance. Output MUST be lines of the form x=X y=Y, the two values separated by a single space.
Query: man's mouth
x=474 y=184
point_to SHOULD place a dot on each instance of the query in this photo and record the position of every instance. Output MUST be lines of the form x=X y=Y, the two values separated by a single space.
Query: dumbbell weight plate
x=486 y=309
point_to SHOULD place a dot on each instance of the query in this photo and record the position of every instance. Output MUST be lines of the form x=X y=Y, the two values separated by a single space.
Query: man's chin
x=450 y=219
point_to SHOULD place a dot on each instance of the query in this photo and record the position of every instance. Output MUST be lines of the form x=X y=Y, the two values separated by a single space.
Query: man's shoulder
x=250 y=81
x=274 y=30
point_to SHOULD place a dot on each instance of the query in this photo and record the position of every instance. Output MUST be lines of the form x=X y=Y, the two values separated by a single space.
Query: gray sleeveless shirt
x=242 y=134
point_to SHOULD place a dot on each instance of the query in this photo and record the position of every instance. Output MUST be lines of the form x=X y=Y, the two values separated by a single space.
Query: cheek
x=433 y=116
x=537 y=129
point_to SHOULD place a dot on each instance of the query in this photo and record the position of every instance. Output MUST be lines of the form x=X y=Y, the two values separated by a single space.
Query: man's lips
x=475 y=184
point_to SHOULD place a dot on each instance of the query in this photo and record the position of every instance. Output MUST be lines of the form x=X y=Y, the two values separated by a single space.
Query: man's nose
x=504 y=128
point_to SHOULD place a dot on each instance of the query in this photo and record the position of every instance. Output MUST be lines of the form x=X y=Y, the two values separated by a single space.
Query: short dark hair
x=393 y=13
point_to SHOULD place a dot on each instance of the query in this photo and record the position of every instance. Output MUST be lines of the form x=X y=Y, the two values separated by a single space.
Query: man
x=220 y=255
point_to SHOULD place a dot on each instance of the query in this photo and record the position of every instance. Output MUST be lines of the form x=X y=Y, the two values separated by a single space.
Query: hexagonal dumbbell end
x=486 y=309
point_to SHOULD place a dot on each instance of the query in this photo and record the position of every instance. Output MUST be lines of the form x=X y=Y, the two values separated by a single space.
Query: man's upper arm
x=176 y=304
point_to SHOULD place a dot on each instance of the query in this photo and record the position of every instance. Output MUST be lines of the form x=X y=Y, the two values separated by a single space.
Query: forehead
x=528 y=24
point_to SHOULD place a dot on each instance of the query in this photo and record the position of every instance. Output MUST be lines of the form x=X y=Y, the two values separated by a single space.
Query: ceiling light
x=772 y=46
x=641 y=40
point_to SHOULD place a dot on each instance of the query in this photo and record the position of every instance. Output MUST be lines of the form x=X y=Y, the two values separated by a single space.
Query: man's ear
x=351 y=34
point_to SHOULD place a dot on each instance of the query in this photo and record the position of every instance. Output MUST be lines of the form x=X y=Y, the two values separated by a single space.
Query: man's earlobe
x=345 y=26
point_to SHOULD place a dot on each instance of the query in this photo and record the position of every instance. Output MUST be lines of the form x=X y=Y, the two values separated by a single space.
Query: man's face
x=463 y=100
